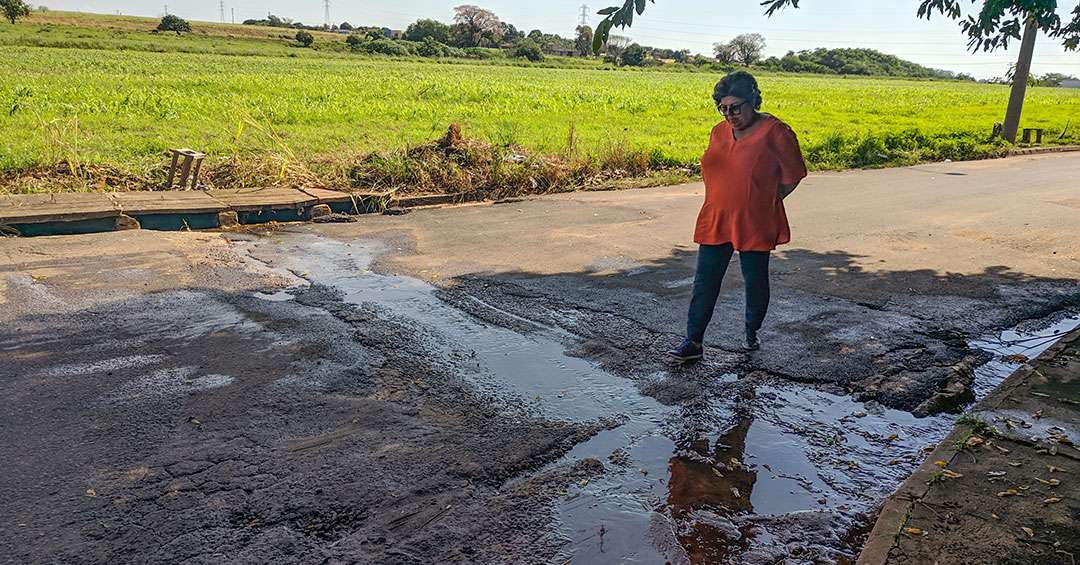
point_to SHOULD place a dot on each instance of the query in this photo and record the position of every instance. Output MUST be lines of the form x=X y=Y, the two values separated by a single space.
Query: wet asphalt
x=486 y=383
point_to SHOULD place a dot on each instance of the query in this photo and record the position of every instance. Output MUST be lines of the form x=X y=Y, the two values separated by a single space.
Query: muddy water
x=745 y=472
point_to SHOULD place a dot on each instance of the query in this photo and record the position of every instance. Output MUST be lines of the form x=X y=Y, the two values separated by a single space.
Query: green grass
x=120 y=98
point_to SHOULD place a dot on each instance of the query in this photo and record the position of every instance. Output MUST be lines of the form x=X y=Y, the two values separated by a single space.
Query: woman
x=752 y=163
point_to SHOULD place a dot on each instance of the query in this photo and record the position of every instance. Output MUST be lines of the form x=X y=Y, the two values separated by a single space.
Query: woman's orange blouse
x=742 y=186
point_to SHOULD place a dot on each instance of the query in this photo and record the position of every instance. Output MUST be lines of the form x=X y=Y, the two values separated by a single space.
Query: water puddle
x=738 y=473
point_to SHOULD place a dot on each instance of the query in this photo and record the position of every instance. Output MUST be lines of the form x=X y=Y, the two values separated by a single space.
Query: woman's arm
x=786 y=189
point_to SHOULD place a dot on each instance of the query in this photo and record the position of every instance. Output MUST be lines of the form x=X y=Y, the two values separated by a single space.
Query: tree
x=345 y=26
x=14 y=9
x=997 y=22
x=173 y=23
x=681 y=56
x=614 y=46
x=748 y=47
x=633 y=56
x=305 y=38
x=536 y=35
x=724 y=53
x=583 y=40
x=477 y=23
x=511 y=33
x=355 y=42
x=424 y=28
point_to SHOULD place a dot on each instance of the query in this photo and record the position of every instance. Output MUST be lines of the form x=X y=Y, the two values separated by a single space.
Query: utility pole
x=326 y=4
x=221 y=6
x=584 y=15
x=166 y=9
x=1020 y=79
x=233 y=11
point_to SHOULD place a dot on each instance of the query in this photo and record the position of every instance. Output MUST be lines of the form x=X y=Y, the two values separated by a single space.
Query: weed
x=976 y=422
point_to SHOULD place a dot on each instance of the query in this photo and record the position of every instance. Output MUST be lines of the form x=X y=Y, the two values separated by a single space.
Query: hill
x=863 y=62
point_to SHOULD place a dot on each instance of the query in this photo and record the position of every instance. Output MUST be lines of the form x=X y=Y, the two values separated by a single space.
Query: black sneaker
x=687 y=351
x=752 y=342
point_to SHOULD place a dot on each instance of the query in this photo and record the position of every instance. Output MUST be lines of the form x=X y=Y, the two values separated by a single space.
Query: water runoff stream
x=736 y=476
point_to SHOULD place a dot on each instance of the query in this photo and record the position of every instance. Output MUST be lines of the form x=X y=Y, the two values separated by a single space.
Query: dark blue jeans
x=712 y=263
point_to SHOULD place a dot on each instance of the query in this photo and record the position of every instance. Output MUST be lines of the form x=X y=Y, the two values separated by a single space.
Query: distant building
x=559 y=50
x=1071 y=83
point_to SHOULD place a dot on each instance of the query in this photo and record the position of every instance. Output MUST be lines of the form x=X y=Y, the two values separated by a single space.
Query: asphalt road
x=485 y=383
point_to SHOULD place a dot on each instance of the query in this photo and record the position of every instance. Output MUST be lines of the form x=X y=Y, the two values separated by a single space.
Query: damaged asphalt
x=401 y=389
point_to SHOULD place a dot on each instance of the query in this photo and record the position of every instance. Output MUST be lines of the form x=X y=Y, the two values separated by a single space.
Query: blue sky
x=890 y=26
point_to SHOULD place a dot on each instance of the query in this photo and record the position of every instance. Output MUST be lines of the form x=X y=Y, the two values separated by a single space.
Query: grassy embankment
x=94 y=103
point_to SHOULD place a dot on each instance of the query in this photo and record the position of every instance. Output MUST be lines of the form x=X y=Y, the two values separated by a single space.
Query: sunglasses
x=732 y=110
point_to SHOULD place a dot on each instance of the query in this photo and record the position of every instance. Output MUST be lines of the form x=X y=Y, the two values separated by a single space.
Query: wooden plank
x=167 y=202
x=59 y=207
x=329 y=196
x=255 y=199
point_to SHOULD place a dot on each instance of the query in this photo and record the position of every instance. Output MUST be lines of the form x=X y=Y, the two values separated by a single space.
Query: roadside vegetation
x=95 y=102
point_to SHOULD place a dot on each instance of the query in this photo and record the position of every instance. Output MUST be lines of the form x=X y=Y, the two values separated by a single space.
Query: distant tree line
x=864 y=62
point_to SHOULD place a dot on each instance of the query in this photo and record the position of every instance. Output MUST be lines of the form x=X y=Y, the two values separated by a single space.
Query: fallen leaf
x=940 y=463
x=538 y=398
x=1052 y=500
x=1037 y=414
x=583 y=482
x=1053 y=468
x=892 y=437
x=1015 y=463
x=767 y=467
x=434 y=276
x=1010 y=492
x=1033 y=393
x=91 y=493
x=952 y=474
x=1028 y=531
x=735 y=491
x=1001 y=449
x=717 y=472
x=561 y=493
x=253 y=525
x=305 y=273
x=193 y=420
x=995 y=516
x=1018 y=358
x=562 y=394
x=1050 y=483
x=973 y=441
x=915 y=531
x=861 y=415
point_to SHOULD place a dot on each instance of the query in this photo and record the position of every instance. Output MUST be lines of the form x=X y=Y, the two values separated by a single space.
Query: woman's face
x=738 y=112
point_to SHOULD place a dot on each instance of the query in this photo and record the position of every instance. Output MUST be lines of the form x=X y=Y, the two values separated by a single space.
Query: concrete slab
x=167 y=202
x=329 y=196
x=59 y=207
x=256 y=199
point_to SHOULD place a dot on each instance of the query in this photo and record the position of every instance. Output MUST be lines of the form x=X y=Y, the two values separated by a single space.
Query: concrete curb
x=72 y=213
x=1038 y=150
x=894 y=512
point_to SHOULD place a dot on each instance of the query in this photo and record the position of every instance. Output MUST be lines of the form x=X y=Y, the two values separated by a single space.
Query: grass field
x=120 y=101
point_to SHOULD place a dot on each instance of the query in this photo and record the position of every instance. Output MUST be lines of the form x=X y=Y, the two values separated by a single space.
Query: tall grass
x=313 y=119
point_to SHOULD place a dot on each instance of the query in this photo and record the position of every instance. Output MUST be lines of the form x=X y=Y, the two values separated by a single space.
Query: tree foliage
x=868 y=62
x=305 y=38
x=633 y=56
x=724 y=53
x=528 y=49
x=14 y=9
x=174 y=23
x=583 y=40
x=747 y=48
x=997 y=22
x=424 y=28
x=477 y=25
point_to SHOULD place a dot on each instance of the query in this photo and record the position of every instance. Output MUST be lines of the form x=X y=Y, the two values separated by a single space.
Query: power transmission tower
x=221 y=6
x=166 y=9
x=326 y=4
x=584 y=15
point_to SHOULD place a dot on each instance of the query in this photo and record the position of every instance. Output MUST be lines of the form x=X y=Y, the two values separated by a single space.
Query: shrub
x=386 y=47
x=305 y=38
x=528 y=49
x=174 y=23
